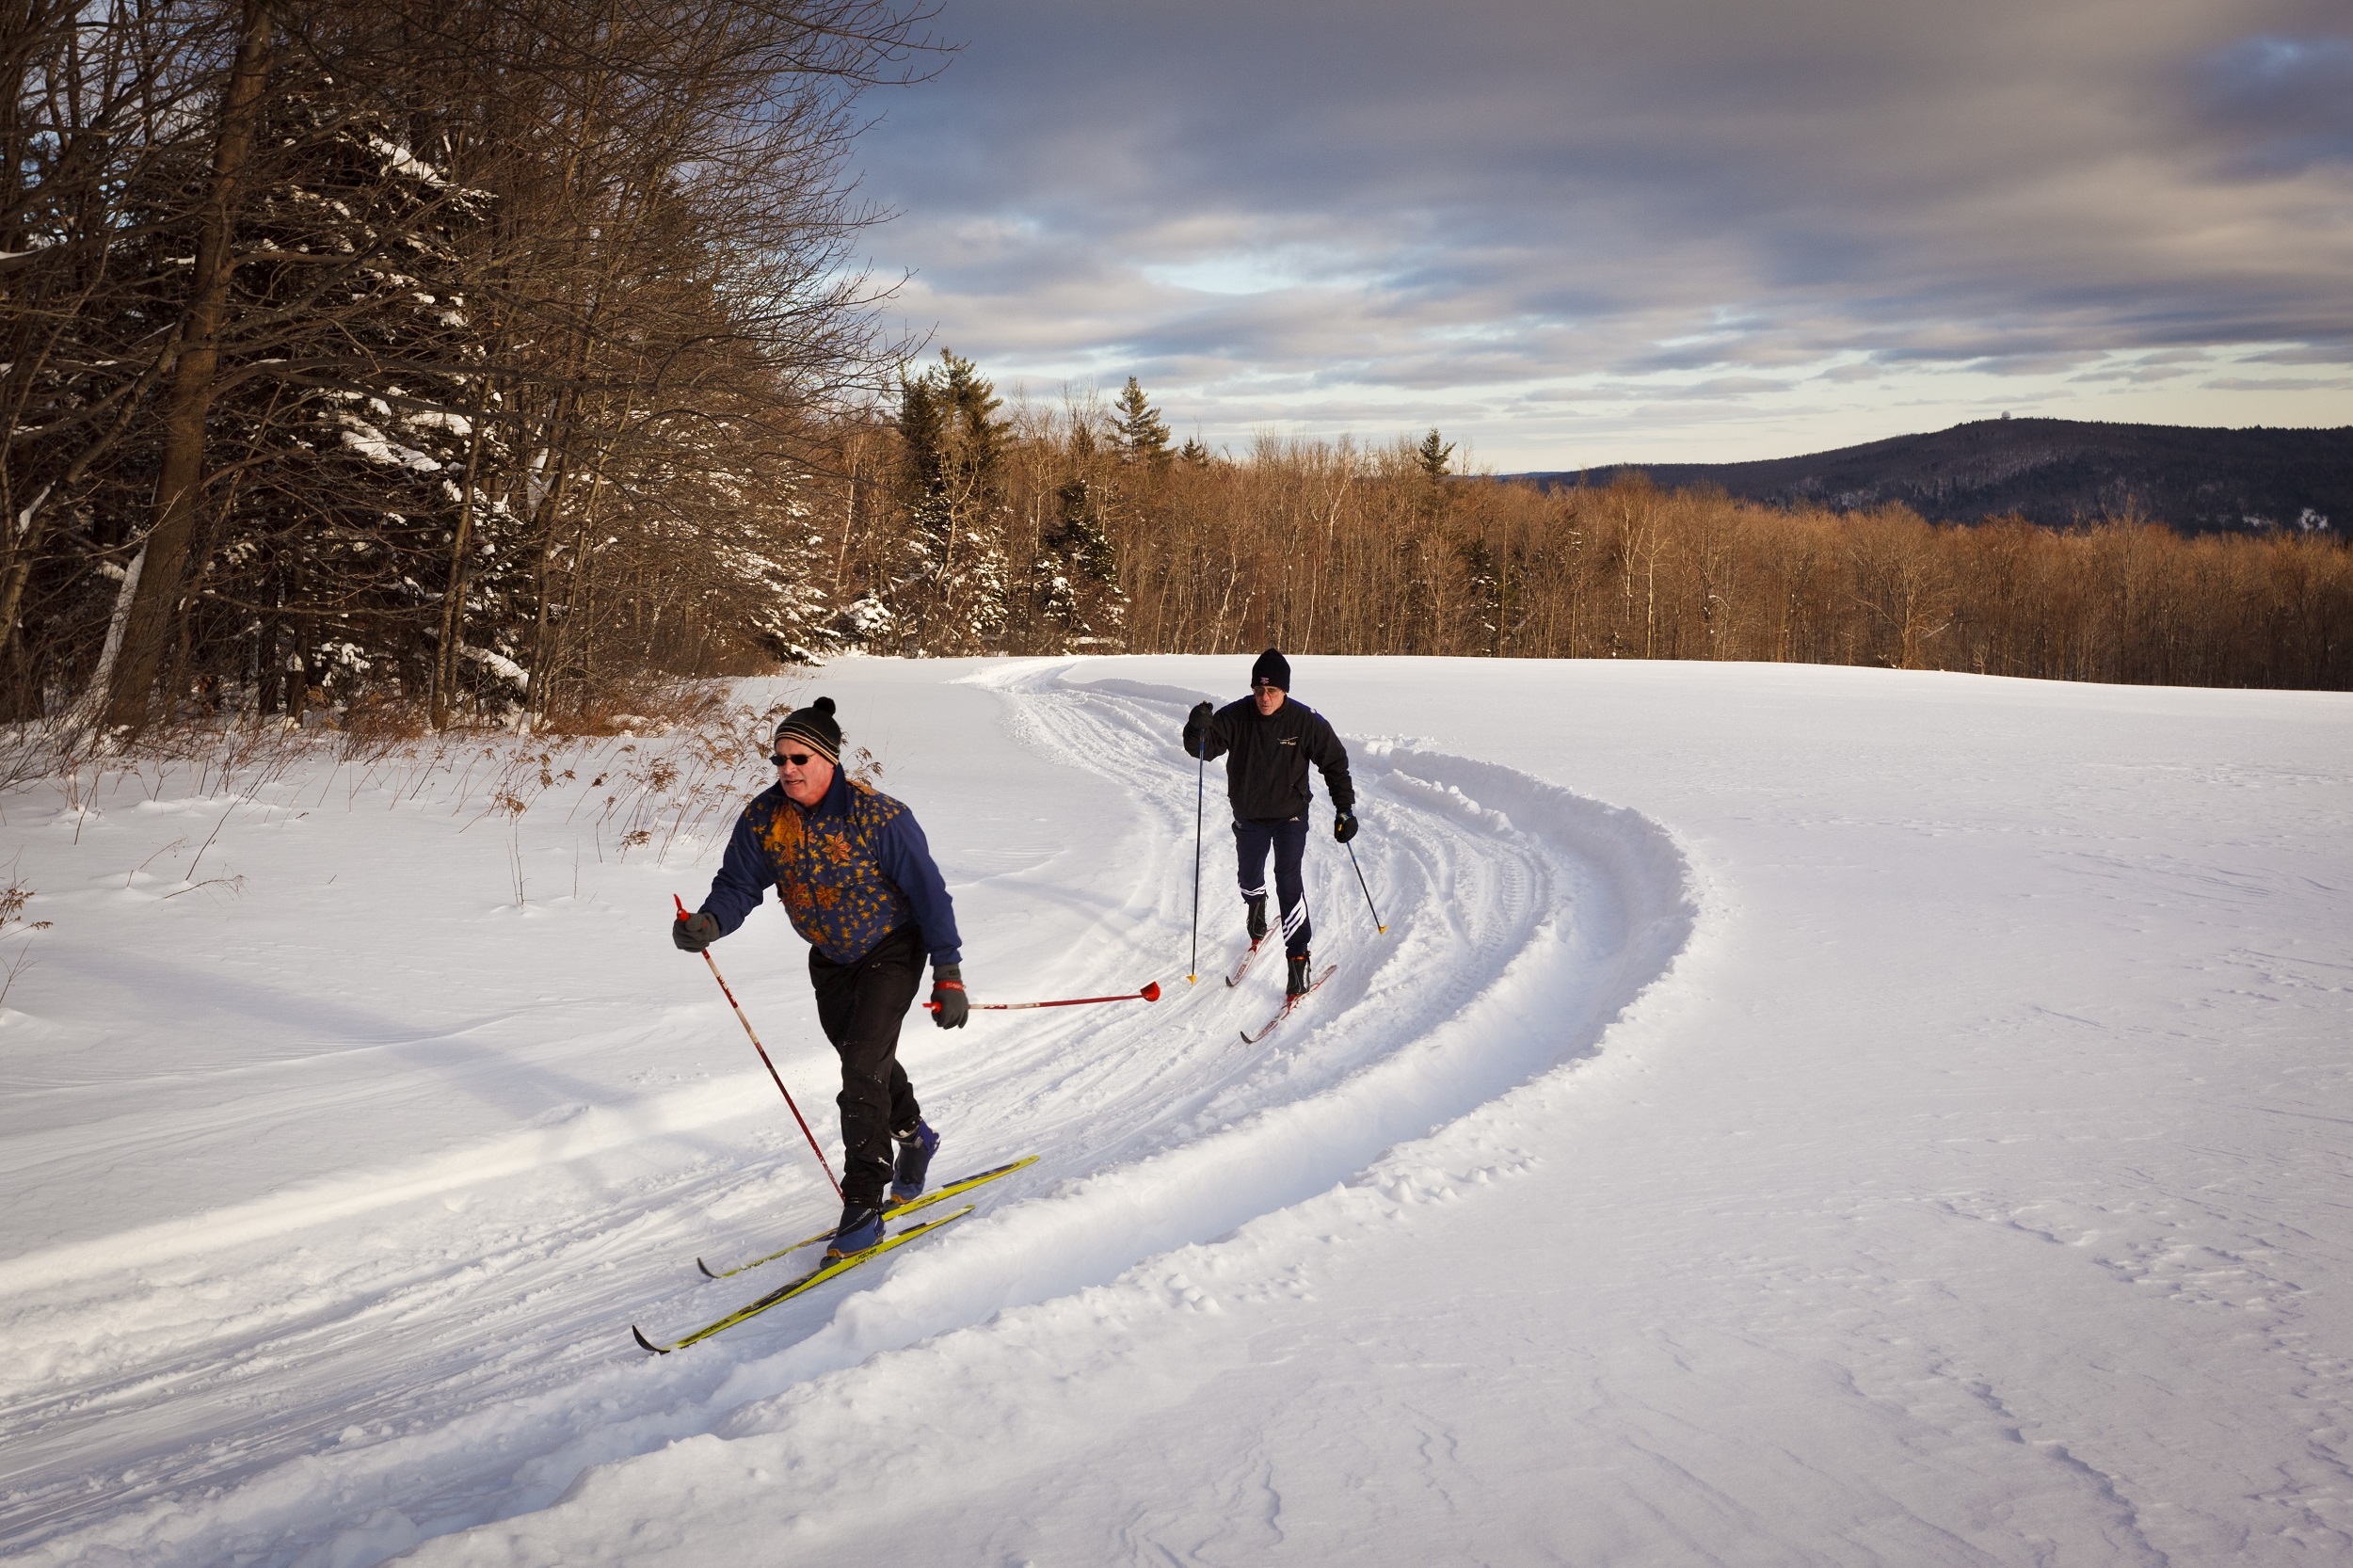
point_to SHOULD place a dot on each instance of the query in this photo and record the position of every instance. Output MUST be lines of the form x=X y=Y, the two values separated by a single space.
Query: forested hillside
x=2056 y=471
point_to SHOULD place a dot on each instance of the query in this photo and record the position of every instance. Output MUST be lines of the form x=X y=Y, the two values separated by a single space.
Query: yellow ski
x=889 y=1212
x=815 y=1277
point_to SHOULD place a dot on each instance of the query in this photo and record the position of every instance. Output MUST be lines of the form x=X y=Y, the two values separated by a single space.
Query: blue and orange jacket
x=849 y=871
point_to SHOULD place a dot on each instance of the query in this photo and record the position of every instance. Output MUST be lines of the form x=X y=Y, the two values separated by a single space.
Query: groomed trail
x=268 y=1382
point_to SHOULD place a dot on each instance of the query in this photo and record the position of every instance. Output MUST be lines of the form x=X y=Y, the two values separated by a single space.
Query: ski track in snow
x=297 y=1399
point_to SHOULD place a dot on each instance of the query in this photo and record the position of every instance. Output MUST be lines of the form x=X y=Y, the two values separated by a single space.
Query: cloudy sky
x=1585 y=231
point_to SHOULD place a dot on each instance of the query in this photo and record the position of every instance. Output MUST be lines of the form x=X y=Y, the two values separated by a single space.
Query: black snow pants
x=1289 y=840
x=861 y=1005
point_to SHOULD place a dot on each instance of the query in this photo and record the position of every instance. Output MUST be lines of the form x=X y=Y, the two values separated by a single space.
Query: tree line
x=1081 y=527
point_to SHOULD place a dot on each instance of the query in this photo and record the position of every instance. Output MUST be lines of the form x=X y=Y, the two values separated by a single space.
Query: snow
x=371 y=443
x=497 y=662
x=1796 y=1115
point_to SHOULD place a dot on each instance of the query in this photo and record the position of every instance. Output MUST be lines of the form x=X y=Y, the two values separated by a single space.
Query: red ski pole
x=763 y=1057
x=1150 y=993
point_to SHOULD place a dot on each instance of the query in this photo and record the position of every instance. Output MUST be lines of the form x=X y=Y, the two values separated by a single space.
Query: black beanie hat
x=1272 y=669
x=814 y=723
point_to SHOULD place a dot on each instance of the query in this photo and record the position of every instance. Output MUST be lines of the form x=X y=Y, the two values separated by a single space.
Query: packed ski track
x=269 y=1381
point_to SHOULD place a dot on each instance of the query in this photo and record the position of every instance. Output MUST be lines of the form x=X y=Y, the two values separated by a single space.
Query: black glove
x=1344 y=827
x=950 y=1008
x=1198 y=729
x=696 y=932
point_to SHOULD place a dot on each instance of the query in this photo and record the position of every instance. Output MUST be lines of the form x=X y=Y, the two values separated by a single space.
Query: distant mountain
x=2055 y=471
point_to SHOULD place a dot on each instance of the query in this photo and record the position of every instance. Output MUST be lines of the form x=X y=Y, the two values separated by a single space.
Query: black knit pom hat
x=1272 y=669
x=815 y=724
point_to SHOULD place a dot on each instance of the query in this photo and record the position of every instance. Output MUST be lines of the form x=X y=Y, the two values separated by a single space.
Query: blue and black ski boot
x=861 y=1227
x=917 y=1146
x=1257 y=919
x=1295 y=983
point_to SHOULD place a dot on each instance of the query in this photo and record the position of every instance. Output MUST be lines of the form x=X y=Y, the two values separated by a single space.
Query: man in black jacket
x=1273 y=742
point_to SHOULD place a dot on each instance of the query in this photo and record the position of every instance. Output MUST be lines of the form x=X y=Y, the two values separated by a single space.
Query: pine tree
x=1142 y=434
x=1431 y=458
x=1075 y=575
x=359 y=433
x=952 y=599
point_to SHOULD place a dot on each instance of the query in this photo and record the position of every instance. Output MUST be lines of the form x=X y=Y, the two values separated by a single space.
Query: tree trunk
x=179 y=486
x=125 y=597
x=454 y=592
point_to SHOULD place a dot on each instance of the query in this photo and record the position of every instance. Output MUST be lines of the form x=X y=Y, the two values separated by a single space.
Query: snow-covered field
x=1796 y=1115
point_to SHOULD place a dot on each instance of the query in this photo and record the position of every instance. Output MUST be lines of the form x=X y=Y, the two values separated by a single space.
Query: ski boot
x=917 y=1146
x=1295 y=983
x=1257 y=919
x=861 y=1227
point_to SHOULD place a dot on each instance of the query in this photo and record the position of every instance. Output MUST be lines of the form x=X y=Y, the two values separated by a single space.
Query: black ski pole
x=1360 y=881
x=1200 y=784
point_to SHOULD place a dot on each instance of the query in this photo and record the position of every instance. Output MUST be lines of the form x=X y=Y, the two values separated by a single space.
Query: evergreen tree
x=952 y=599
x=355 y=437
x=1076 y=575
x=1142 y=434
x=1432 y=456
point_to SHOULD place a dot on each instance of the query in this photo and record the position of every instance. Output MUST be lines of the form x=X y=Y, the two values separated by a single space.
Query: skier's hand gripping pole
x=763 y=1057
x=1150 y=993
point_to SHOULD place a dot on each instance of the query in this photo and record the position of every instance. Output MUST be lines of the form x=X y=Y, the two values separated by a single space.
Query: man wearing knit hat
x=854 y=871
x=1273 y=742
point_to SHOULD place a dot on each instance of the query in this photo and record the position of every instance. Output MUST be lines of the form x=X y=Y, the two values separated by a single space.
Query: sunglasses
x=799 y=759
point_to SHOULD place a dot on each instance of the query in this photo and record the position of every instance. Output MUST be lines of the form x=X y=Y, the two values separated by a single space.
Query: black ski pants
x=861 y=1005
x=1288 y=839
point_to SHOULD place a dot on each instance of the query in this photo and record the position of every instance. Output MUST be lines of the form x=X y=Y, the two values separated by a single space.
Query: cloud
x=1325 y=210
x=2279 y=383
x=2321 y=353
x=2140 y=373
x=2288 y=98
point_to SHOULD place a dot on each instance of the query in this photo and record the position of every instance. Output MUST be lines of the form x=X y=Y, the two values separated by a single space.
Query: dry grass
x=665 y=764
x=12 y=924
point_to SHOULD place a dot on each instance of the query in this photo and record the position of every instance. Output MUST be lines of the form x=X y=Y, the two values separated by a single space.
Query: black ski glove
x=949 y=1006
x=1344 y=827
x=1197 y=727
x=696 y=932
